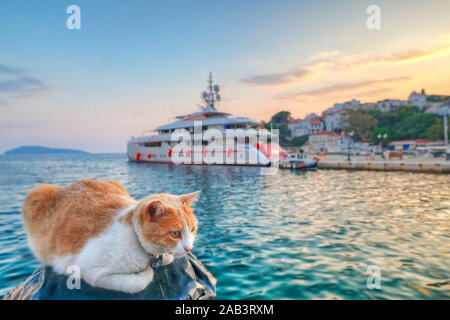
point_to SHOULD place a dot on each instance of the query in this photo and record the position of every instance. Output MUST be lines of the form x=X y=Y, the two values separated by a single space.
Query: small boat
x=297 y=161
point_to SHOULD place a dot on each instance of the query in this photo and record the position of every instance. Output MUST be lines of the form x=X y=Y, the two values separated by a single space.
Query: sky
x=135 y=65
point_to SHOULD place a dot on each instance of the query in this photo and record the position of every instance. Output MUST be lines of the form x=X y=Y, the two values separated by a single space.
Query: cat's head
x=166 y=223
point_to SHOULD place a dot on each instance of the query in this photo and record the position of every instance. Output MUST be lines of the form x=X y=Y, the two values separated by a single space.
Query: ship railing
x=154 y=136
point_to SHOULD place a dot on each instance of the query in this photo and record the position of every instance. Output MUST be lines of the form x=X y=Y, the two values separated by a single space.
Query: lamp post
x=349 y=134
x=380 y=138
x=446 y=127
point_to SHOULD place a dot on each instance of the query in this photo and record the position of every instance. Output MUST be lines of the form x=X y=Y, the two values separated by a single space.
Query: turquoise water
x=290 y=236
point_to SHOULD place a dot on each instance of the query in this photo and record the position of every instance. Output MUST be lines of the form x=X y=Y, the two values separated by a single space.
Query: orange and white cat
x=99 y=227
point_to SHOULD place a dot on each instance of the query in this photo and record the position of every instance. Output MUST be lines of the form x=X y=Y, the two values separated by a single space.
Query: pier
x=409 y=165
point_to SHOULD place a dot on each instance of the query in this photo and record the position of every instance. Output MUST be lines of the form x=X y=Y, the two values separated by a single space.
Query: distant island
x=42 y=150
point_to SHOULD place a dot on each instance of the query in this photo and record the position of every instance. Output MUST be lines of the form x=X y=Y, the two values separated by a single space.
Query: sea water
x=292 y=235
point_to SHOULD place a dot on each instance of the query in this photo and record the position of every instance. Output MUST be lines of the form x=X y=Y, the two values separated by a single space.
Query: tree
x=361 y=124
x=299 y=141
x=436 y=131
x=281 y=117
x=280 y=121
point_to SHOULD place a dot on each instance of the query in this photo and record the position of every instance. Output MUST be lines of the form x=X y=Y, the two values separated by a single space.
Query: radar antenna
x=211 y=96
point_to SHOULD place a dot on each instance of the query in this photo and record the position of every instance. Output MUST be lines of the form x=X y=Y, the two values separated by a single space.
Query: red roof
x=322 y=133
x=315 y=121
x=415 y=140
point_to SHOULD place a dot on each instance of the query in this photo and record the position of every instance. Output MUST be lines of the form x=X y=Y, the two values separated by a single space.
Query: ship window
x=152 y=144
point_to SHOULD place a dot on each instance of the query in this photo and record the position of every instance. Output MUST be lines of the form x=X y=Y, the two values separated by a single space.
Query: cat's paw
x=129 y=283
x=167 y=258
x=142 y=280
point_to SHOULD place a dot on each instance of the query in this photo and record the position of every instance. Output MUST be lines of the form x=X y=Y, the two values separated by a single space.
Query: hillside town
x=332 y=131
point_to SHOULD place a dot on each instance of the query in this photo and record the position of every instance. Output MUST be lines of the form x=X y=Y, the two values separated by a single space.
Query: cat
x=112 y=238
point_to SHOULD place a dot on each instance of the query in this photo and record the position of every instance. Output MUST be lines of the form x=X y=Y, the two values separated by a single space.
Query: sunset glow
x=130 y=69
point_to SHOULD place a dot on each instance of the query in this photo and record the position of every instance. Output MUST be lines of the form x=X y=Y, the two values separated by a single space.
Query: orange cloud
x=341 y=87
x=328 y=61
x=274 y=79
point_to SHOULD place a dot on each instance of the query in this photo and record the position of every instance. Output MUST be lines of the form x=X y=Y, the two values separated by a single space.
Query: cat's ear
x=189 y=198
x=154 y=211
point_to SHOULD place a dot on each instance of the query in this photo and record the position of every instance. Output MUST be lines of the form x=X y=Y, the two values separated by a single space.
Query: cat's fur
x=99 y=227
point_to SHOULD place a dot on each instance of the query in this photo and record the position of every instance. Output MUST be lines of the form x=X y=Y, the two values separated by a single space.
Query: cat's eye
x=175 y=234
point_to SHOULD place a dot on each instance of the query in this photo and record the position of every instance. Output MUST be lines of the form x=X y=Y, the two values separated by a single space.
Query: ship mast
x=212 y=94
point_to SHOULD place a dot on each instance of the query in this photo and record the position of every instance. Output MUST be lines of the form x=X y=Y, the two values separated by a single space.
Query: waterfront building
x=315 y=126
x=411 y=144
x=298 y=128
x=326 y=141
x=334 y=121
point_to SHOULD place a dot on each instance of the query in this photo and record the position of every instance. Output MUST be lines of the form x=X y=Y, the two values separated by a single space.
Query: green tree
x=406 y=122
x=436 y=131
x=361 y=124
x=281 y=117
x=299 y=141
x=280 y=121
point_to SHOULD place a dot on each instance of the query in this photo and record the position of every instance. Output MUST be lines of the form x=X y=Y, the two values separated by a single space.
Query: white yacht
x=213 y=137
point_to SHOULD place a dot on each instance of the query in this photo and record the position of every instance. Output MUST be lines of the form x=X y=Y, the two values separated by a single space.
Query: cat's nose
x=188 y=249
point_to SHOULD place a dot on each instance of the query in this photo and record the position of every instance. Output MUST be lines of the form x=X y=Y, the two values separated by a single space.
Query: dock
x=410 y=165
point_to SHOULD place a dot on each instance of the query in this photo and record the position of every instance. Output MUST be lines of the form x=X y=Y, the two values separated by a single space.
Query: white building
x=312 y=116
x=352 y=105
x=298 y=128
x=418 y=99
x=389 y=104
x=439 y=108
x=315 y=126
x=345 y=106
x=334 y=121
x=367 y=105
x=328 y=142
x=410 y=144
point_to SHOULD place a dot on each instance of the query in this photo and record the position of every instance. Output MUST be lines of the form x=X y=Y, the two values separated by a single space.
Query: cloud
x=10 y=70
x=19 y=85
x=332 y=61
x=341 y=87
x=272 y=79
x=365 y=60
x=323 y=55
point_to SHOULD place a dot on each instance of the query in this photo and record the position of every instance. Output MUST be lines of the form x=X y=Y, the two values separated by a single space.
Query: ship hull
x=240 y=155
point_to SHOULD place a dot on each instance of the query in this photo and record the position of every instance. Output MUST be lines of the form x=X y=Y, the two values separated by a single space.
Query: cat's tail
x=38 y=214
